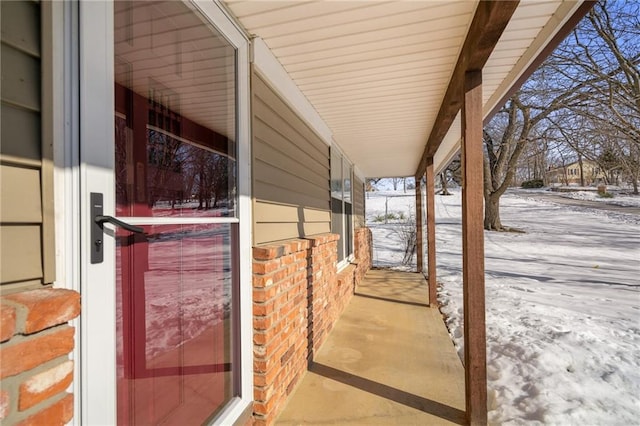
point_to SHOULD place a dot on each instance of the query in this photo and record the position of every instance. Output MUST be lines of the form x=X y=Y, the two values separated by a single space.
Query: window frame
x=342 y=205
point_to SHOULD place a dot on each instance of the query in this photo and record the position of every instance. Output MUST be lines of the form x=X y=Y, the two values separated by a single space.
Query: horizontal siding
x=22 y=228
x=20 y=253
x=275 y=213
x=286 y=114
x=22 y=139
x=270 y=193
x=20 y=78
x=21 y=200
x=287 y=154
x=290 y=171
x=20 y=26
x=358 y=203
x=268 y=232
x=282 y=178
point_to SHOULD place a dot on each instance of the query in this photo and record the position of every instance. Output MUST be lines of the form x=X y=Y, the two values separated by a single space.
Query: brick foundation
x=34 y=356
x=297 y=297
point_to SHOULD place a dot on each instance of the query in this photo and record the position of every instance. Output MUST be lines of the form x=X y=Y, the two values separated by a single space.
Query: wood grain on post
x=473 y=252
x=419 y=220
x=431 y=233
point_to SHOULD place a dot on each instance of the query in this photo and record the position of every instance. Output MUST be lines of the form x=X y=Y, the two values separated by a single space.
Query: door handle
x=101 y=219
x=97 y=227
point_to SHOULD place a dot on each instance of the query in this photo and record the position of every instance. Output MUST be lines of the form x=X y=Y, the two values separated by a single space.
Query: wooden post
x=431 y=233
x=473 y=252
x=419 y=221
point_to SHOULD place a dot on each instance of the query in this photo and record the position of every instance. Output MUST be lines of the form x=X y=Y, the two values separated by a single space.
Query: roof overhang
x=373 y=76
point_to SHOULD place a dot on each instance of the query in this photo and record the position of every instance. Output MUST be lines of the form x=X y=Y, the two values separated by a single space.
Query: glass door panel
x=174 y=293
x=175 y=169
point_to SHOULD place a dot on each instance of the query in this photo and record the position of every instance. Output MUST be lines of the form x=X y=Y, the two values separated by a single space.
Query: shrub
x=378 y=218
x=407 y=232
x=534 y=183
x=385 y=218
x=605 y=195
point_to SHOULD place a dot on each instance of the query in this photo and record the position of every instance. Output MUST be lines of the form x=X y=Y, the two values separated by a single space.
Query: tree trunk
x=443 y=183
x=492 y=214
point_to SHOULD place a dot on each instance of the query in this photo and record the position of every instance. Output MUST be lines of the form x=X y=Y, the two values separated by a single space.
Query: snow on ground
x=387 y=243
x=185 y=271
x=617 y=199
x=563 y=308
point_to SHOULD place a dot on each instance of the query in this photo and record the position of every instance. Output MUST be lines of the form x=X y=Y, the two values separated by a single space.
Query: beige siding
x=20 y=189
x=358 y=203
x=26 y=178
x=21 y=25
x=20 y=253
x=21 y=140
x=20 y=78
x=290 y=171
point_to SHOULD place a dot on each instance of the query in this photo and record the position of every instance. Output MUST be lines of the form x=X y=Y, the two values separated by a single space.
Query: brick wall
x=35 y=369
x=363 y=252
x=297 y=297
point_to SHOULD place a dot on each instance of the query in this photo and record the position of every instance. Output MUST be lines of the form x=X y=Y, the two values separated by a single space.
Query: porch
x=388 y=359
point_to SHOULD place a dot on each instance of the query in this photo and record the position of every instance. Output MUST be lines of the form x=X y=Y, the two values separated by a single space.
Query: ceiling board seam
x=353 y=45
x=390 y=27
x=430 y=55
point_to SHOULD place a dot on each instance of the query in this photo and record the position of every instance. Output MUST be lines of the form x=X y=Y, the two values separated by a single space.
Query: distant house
x=571 y=174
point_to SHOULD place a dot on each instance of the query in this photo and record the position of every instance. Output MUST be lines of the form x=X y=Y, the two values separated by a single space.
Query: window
x=341 y=203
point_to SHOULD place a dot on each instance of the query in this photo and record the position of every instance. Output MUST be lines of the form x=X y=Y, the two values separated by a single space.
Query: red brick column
x=323 y=257
x=280 y=324
x=35 y=368
x=298 y=295
x=363 y=252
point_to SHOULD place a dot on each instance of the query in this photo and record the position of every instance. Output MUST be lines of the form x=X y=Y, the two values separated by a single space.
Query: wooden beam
x=419 y=222
x=488 y=23
x=431 y=234
x=473 y=252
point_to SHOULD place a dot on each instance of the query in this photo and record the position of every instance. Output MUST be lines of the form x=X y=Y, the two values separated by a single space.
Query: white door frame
x=96 y=174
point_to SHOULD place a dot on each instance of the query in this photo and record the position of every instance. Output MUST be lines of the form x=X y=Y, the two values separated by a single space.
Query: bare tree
x=395 y=182
x=370 y=184
x=588 y=90
x=533 y=162
x=443 y=184
x=452 y=173
x=505 y=138
x=602 y=53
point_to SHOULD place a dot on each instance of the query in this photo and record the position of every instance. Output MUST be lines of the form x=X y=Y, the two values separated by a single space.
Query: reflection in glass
x=174 y=288
x=175 y=113
x=175 y=157
x=336 y=174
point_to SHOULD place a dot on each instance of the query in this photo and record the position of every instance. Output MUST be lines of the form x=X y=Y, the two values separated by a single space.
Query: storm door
x=175 y=160
x=171 y=222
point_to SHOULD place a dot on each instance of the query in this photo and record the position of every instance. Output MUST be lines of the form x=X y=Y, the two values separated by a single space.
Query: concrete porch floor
x=388 y=360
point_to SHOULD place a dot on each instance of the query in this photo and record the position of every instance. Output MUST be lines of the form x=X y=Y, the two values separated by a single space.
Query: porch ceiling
x=377 y=71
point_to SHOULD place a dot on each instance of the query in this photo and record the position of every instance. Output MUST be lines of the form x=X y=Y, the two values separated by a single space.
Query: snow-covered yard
x=563 y=307
x=620 y=199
